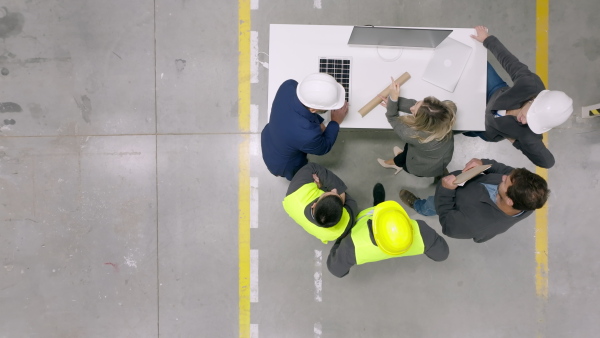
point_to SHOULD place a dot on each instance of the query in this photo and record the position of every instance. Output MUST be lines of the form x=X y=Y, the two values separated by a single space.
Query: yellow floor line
x=541 y=215
x=244 y=15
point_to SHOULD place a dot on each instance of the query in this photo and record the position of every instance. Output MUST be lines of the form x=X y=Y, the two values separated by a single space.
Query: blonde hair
x=434 y=117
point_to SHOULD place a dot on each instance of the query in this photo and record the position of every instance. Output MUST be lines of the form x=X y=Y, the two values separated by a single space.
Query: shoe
x=397 y=151
x=378 y=194
x=408 y=198
x=392 y=166
x=439 y=178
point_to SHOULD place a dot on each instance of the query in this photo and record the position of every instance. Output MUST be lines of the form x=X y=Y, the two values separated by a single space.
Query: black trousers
x=400 y=159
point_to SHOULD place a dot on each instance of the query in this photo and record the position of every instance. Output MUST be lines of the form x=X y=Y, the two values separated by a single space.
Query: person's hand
x=482 y=33
x=448 y=182
x=394 y=90
x=322 y=127
x=472 y=164
x=343 y=197
x=383 y=101
x=512 y=140
x=316 y=179
x=338 y=115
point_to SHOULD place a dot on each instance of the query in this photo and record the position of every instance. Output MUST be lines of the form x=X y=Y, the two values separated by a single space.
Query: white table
x=294 y=51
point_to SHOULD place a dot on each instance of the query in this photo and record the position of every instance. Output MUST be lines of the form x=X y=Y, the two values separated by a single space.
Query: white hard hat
x=550 y=109
x=321 y=91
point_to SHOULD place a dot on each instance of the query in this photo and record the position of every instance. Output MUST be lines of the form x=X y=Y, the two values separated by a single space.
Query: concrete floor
x=119 y=179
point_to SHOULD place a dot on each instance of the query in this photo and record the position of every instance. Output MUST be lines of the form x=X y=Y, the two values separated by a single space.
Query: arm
x=327 y=179
x=341 y=257
x=436 y=247
x=322 y=143
x=536 y=152
x=509 y=62
x=515 y=68
x=393 y=107
x=352 y=208
x=402 y=130
x=453 y=221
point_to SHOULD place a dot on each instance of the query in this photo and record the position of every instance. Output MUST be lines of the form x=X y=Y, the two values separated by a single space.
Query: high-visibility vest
x=364 y=249
x=295 y=203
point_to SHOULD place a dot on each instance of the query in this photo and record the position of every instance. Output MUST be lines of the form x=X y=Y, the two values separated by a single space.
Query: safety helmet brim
x=393 y=236
x=323 y=84
x=548 y=110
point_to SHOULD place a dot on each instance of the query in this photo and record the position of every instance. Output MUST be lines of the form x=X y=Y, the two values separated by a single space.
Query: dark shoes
x=408 y=198
x=378 y=194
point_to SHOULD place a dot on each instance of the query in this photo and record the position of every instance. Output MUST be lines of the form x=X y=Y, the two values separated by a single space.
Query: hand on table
x=472 y=164
x=338 y=115
x=482 y=33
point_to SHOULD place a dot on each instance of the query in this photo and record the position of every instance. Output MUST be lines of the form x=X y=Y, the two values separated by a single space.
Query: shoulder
x=288 y=87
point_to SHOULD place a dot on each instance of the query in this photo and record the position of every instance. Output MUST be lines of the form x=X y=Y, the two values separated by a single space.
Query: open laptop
x=447 y=64
x=397 y=37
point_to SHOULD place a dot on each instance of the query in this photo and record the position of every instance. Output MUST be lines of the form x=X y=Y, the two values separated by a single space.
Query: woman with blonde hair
x=427 y=133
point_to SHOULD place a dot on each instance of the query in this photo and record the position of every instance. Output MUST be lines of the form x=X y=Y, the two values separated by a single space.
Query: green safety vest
x=295 y=203
x=364 y=249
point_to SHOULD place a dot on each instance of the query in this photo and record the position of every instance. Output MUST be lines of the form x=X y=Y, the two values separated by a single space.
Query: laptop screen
x=398 y=37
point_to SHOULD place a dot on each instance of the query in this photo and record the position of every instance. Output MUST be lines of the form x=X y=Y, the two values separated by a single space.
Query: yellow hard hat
x=392 y=228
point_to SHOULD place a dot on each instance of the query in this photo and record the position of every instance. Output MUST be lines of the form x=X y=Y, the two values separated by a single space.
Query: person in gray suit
x=485 y=206
x=523 y=112
x=427 y=132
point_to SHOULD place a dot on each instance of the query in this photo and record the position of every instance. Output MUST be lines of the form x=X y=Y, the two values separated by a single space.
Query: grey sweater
x=422 y=159
x=526 y=85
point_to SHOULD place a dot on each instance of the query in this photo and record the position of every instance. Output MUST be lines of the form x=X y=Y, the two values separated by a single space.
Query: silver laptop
x=397 y=37
x=447 y=64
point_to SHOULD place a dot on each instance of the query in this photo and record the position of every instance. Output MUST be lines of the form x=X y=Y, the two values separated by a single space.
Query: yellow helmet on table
x=392 y=228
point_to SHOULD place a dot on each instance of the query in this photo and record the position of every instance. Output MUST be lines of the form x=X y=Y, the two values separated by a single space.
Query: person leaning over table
x=523 y=112
x=486 y=205
x=295 y=128
x=317 y=200
x=427 y=132
x=381 y=232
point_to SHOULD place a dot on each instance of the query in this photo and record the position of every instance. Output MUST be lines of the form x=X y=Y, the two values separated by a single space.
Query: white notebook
x=447 y=64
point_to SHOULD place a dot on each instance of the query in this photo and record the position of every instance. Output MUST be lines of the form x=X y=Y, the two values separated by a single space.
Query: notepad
x=461 y=179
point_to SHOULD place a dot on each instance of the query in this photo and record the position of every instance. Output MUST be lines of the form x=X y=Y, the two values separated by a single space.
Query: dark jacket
x=422 y=159
x=526 y=85
x=468 y=211
x=292 y=132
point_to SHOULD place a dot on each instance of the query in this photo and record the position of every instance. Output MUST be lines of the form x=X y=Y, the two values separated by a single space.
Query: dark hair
x=328 y=211
x=528 y=191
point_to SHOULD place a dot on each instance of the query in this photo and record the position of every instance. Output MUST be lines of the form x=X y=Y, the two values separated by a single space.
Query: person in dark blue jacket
x=295 y=128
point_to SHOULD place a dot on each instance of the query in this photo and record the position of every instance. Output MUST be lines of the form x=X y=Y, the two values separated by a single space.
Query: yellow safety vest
x=295 y=203
x=364 y=249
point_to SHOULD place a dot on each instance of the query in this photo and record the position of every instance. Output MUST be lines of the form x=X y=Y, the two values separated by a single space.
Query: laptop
x=397 y=37
x=447 y=64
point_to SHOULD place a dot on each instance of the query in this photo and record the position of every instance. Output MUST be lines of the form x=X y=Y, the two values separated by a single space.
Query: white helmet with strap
x=550 y=109
x=321 y=91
